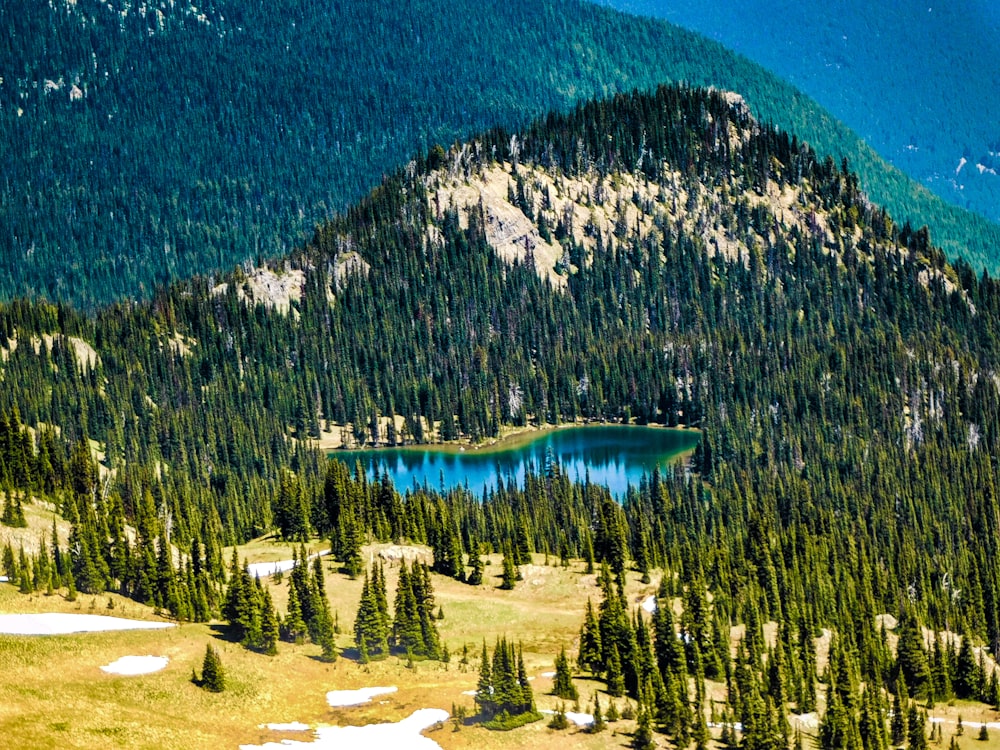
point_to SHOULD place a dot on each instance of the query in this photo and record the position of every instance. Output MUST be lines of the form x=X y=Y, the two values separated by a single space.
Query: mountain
x=914 y=79
x=661 y=257
x=141 y=144
x=658 y=258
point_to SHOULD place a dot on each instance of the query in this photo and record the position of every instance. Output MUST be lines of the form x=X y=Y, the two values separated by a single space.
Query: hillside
x=651 y=258
x=914 y=81
x=144 y=144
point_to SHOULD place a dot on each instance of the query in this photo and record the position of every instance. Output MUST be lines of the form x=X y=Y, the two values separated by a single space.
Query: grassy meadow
x=54 y=695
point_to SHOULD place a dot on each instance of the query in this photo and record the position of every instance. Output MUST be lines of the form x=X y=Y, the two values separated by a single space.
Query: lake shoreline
x=510 y=439
x=613 y=455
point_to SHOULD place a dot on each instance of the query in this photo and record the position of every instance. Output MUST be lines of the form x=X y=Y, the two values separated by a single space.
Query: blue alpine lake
x=614 y=456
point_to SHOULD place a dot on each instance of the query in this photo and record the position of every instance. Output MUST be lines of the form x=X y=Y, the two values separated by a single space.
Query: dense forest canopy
x=915 y=80
x=142 y=144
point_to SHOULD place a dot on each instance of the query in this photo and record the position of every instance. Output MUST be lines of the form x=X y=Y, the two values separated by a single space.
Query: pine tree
x=643 y=737
x=503 y=690
x=613 y=675
x=327 y=641
x=510 y=574
x=559 y=720
x=323 y=619
x=294 y=627
x=911 y=658
x=291 y=514
x=407 y=632
x=871 y=726
x=563 y=686
x=475 y=578
x=484 y=688
x=213 y=676
x=589 y=657
x=370 y=633
x=269 y=632
x=917 y=735
x=423 y=594
x=966 y=682
x=381 y=598
x=598 y=724
x=350 y=545
x=898 y=728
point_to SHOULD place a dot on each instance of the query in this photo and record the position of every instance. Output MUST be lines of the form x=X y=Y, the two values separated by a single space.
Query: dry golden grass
x=53 y=694
x=60 y=698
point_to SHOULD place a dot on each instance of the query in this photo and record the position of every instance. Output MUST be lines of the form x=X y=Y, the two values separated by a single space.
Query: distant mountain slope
x=139 y=144
x=915 y=79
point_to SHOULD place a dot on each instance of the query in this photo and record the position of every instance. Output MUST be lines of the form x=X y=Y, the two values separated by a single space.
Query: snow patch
x=547 y=674
x=265 y=569
x=649 y=604
x=135 y=665
x=473 y=693
x=58 y=623
x=342 y=698
x=402 y=735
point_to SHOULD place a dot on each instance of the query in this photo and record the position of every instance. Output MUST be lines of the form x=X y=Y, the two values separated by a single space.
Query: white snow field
x=649 y=604
x=135 y=665
x=403 y=735
x=344 y=698
x=265 y=569
x=60 y=623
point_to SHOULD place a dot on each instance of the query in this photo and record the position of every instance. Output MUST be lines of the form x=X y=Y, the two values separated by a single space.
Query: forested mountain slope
x=142 y=143
x=914 y=79
x=660 y=257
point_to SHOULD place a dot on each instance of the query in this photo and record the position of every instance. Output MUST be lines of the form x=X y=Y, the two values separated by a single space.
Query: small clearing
x=85 y=355
x=402 y=735
x=345 y=698
x=60 y=623
x=262 y=286
x=806 y=722
x=136 y=665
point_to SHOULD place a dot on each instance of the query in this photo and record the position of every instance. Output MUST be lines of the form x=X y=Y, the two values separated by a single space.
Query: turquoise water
x=615 y=456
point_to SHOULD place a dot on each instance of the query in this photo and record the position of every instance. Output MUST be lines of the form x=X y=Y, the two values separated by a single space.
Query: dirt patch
x=262 y=286
x=393 y=554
